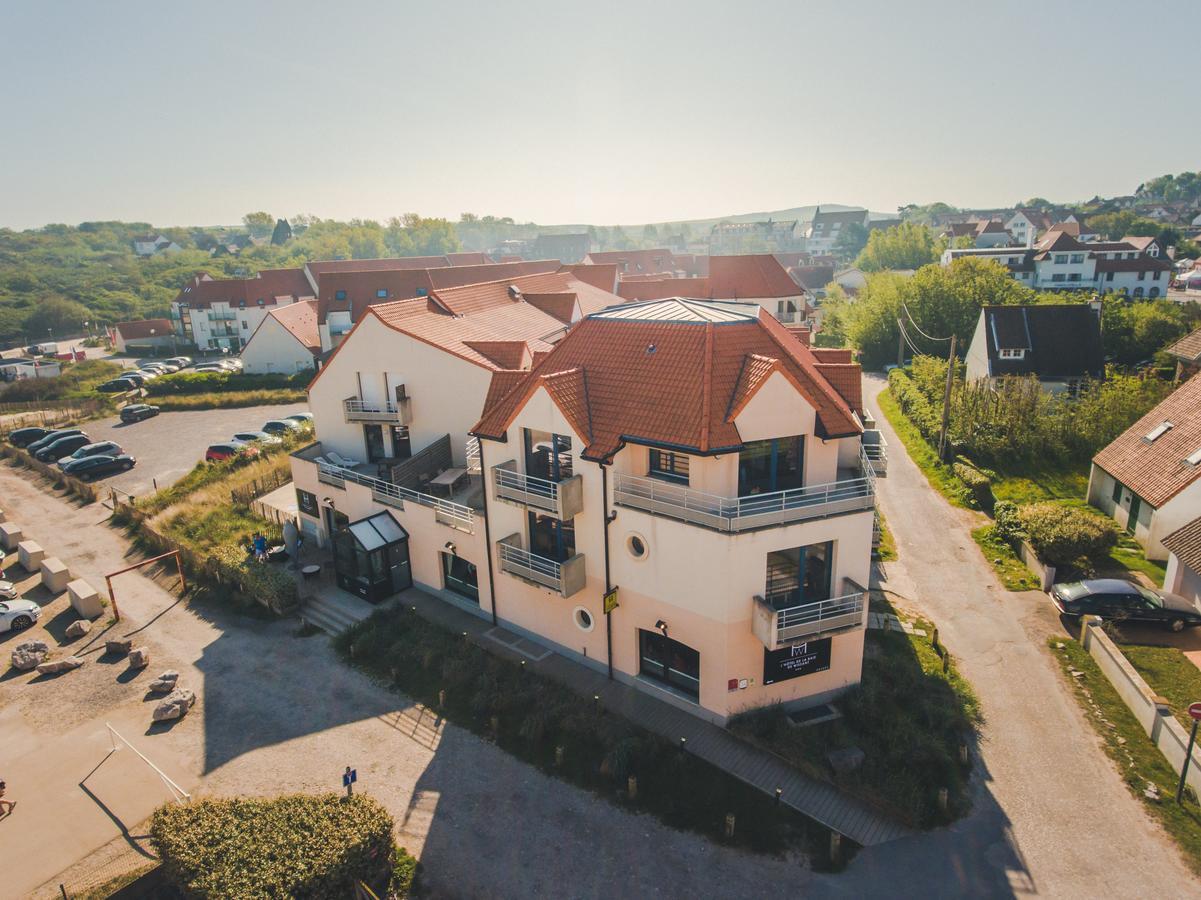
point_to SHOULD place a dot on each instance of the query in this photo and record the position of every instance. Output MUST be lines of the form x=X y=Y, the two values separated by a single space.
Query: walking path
x=812 y=798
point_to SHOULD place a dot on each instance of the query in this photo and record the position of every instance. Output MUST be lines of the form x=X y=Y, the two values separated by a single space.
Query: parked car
x=146 y=374
x=64 y=446
x=304 y=419
x=234 y=363
x=257 y=437
x=8 y=590
x=118 y=385
x=17 y=615
x=112 y=448
x=281 y=426
x=1115 y=599
x=23 y=437
x=228 y=450
x=182 y=361
x=210 y=367
x=136 y=412
x=89 y=467
x=50 y=438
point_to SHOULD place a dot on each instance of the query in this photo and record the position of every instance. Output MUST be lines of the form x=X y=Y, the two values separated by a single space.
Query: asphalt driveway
x=170 y=444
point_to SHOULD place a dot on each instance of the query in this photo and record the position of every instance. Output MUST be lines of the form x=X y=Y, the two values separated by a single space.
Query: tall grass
x=228 y=400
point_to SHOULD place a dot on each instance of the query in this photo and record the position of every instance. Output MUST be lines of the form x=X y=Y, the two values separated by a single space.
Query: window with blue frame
x=339 y=295
x=552 y=538
x=799 y=575
x=547 y=456
x=777 y=464
x=668 y=466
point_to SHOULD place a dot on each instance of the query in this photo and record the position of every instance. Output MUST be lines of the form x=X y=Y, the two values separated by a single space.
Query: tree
x=282 y=233
x=905 y=246
x=56 y=315
x=650 y=234
x=1135 y=331
x=1036 y=203
x=850 y=241
x=259 y=224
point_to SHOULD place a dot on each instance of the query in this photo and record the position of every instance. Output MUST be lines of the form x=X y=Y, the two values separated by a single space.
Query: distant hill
x=800 y=213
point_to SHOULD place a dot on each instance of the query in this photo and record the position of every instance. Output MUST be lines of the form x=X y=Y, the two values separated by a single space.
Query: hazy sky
x=195 y=113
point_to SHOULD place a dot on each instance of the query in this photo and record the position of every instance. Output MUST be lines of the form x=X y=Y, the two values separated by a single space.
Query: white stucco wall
x=274 y=349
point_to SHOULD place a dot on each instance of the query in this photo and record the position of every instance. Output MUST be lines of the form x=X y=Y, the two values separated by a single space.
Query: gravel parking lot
x=169 y=445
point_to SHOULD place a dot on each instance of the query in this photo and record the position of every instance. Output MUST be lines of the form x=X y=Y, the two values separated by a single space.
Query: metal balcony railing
x=447 y=512
x=566 y=577
x=779 y=627
x=562 y=499
x=387 y=411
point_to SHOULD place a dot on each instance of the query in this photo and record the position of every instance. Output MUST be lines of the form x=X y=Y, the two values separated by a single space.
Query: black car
x=103 y=464
x=23 y=437
x=48 y=439
x=64 y=446
x=117 y=386
x=100 y=448
x=1114 y=599
x=136 y=412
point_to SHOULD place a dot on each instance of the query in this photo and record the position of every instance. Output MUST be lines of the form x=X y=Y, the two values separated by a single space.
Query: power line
x=908 y=342
x=909 y=315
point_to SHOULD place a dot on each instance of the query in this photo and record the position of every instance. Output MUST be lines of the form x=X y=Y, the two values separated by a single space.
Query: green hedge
x=1066 y=535
x=1008 y=522
x=299 y=845
x=220 y=382
x=977 y=482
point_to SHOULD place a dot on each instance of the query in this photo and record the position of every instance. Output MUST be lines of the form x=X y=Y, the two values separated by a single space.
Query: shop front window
x=459 y=577
x=799 y=575
x=676 y=665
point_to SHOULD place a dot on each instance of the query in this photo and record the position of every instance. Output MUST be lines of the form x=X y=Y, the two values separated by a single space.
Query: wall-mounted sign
x=306 y=502
x=804 y=658
x=611 y=600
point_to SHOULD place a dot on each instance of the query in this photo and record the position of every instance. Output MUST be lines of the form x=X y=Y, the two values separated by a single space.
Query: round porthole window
x=637 y=546
x=583 y=619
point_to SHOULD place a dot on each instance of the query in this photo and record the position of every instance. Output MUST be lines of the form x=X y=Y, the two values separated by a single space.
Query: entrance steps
x=334 y=612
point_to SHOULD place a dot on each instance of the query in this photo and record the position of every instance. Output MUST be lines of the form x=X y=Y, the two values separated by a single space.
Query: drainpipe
x=608 y=584
x=487 y=532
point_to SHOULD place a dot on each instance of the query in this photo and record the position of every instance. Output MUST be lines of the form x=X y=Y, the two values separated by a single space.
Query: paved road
x=1051 y=816
x=170 y=444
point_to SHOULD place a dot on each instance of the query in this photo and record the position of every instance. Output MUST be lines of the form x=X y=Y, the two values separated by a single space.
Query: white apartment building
x=823 y=232
x=221 y=314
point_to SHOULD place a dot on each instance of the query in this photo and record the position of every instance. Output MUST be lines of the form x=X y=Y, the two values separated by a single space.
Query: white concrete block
x=84 y=599
x=55 y=574
x=30 y=554
x=10 y=535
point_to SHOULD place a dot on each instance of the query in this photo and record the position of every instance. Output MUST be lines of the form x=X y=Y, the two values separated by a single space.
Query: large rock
x=78 y=629
x=55 y=666
x=164 y=683
x=28 y=655
x=119 y=647
x=139 y=658
x=175 y=705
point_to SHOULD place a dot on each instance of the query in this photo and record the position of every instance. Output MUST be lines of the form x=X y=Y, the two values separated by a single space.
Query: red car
x=228 y=450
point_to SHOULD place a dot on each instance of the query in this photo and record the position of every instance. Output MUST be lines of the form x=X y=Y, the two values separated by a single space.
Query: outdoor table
x=449 y=479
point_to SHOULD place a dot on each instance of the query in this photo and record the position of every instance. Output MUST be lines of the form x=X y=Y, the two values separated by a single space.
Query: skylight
x=1157 y=432
x=1194 y=458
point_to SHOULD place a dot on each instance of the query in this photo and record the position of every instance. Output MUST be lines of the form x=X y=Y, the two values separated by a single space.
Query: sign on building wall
x=805 y=658
x=307 y=503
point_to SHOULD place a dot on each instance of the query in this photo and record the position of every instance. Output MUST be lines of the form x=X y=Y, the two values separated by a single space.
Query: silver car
x=17 y=615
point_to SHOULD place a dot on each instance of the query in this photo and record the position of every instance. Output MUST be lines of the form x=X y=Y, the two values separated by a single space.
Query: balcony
x=567 y=577
x=386 y=412
x=875 y=451
x=736 y=514
x=777 y=628
x=561 y=499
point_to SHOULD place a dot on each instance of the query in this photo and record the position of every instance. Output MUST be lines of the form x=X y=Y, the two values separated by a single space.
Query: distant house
x=990 y=233
x=1187 y=353
x=567 y=248
x=826 y=227
x=21 y=368
x=1149 y=478
x=1058 y=344
x=659 y=261
x=144 y=333
x=738 y=237
x=286 y=340
x=1183 y=575
x=153 y=244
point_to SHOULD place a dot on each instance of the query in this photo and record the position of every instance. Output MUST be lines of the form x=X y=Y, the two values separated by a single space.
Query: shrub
x=1008 y=522
x=220 y=382
x=291 y=846
x=978 y=483
x=1063 y=535
x=268 y=585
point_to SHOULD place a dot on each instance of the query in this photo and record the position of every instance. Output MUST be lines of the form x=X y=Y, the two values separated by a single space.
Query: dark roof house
x=1053 y=342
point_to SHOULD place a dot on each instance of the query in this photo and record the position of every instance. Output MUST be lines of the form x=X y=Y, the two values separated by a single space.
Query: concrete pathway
x=1051 y=815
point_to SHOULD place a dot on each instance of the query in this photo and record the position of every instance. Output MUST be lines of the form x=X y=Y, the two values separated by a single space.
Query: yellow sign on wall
x=611 y=601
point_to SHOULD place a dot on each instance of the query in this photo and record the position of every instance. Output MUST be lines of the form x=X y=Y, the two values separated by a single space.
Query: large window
x=459 y=577
x=777 y=464
x=675 y=664
x=373 y=436
x=669 y=466
x=799 y=575
x=547 y=455
x=551 y=538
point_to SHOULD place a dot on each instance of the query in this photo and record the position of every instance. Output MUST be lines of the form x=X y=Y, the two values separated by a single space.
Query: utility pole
x=946 y=403
x=900 y=344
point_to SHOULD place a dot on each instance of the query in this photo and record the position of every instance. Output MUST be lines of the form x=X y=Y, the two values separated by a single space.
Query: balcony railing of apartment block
x=474 y=463
x=456 y=515
x=562 y=499
x=777 y=628
x=734 y=514
x=395 y=413
x=567 y=577
x=875 y=451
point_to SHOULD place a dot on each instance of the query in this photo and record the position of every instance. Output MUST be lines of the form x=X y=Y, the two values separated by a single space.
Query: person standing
x=6 y=806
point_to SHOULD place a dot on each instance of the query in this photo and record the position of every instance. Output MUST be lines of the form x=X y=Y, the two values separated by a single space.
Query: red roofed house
x=635 y=262
x=741 y=542
x=223 y=313
x=286 y=341
x=144 y=334
x=1149 y=478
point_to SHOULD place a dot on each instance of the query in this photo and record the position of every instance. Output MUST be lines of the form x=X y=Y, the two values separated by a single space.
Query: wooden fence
x=73 y=486
x=48 y=413
x=265 y=485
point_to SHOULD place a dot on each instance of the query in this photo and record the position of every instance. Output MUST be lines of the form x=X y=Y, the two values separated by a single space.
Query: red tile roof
x=131 y=331
x=1185 y=544
x=635 y=262
x=599 y=276
x=1188 y=347
x=469 y=259
x=651 y=374
x=505 y=354
x=755 y=275
x=300 y=319
x=664 y=288
x=1158 y=470
x=203 y=290
x=562 y=305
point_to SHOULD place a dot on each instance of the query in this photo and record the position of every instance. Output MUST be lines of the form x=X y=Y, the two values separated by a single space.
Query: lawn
x=1012 y=571
x=1032 y=484
x=1170 y=675
x=887 y=551
x=1130 y=556
x=940 y=476
x=908 y=716
x=1138 y=761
